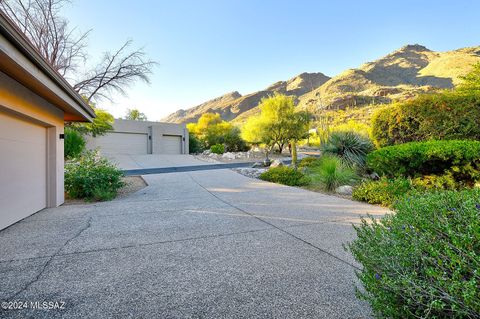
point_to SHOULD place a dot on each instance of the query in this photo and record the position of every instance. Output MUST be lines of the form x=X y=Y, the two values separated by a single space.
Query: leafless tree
x=41 y=22
x=116 y=72
x=65 y=49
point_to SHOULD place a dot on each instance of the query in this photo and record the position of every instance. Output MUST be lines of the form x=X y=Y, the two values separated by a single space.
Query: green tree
x=277 y=124
x=210 y=129
x=101 y=124
x=298 y=125
x=135 y=115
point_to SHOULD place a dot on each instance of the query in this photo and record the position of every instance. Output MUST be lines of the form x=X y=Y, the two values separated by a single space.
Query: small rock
x=344 y=190
x=229 y=156
x=374 y=176
x=250 y=172
x=277 y=163
x=267 y=162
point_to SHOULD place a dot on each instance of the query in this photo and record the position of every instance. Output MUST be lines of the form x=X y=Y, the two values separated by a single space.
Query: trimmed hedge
x=459 y=158
x=441 y=116
x=423 y=261
x=285 y=175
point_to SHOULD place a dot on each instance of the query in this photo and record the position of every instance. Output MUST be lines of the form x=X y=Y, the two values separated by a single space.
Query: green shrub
x=350 y=146
x=436 y=182
x=424 y=260
x=459 y=158
x=331 y=172
x=285 y=175
x=217 y=149
x=92 y=177
x=383 y=192
x=443 y=116
x=74 y=143
x=195 y=146
x=308 y=162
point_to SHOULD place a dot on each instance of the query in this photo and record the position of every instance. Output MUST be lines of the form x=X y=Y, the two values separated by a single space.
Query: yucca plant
x=331 y=173
x=349 y=146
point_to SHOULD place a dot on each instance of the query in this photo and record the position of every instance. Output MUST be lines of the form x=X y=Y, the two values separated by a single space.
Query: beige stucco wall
x=19 y=101
x=155 y=129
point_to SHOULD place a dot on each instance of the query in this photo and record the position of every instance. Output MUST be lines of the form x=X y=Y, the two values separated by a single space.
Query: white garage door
x=23 y=169
x=123 y=143
x=172 y=144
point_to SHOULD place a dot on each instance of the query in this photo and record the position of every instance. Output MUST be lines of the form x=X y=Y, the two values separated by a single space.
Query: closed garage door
x=23 y=169
x=172 y=144
x=123 y=143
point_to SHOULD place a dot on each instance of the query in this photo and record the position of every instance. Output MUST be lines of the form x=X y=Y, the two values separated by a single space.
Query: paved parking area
x=204 y=244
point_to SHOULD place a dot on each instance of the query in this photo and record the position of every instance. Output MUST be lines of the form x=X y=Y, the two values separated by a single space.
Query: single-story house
x=142 y=137
x=35 y=101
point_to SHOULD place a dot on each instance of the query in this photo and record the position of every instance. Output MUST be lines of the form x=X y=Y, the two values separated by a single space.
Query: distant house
x=34 y=103
x=142 y=137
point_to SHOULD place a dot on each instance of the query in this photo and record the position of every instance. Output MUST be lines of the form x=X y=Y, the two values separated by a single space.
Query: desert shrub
x=330 y=173
x=217 y=149
x=459 y=158
x=74 y=143
x=308 y=162
x=423 y=261
x=350 y=146
x=285 y=175
x=436 y=182
x=195 y=146
x=92 y=177
x=442 y=116
x=383 y=192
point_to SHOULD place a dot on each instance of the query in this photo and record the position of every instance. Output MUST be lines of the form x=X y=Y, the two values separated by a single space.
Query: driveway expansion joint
x=276 y=227
x=42 y=271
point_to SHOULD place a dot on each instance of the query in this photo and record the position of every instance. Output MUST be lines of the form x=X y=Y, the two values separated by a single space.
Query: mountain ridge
x=401 y=74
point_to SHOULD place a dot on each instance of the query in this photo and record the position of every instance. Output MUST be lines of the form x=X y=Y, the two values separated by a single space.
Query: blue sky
x=206 y=48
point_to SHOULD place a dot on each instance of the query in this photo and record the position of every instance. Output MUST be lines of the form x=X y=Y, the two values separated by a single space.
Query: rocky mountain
x=231 y=105
x=399 y=75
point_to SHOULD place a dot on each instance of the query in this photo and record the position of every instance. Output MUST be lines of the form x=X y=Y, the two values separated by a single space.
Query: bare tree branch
x=49 y=33
x=65 y=49
x=116 y=72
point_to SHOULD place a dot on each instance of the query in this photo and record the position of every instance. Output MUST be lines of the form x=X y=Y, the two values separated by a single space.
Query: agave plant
x=350 y=146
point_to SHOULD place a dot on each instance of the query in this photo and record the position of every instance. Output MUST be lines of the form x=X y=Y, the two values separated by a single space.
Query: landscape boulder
x=229 y=156
x=374 y=176
x=277 y=163
x=344 y=190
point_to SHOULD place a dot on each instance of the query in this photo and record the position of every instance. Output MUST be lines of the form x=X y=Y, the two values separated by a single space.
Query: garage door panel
x=123 y=143
x=172 y=144
x=23 y=169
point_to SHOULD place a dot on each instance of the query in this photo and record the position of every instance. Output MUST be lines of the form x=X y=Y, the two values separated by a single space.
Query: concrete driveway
x=205 y=244
x=129 y=161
